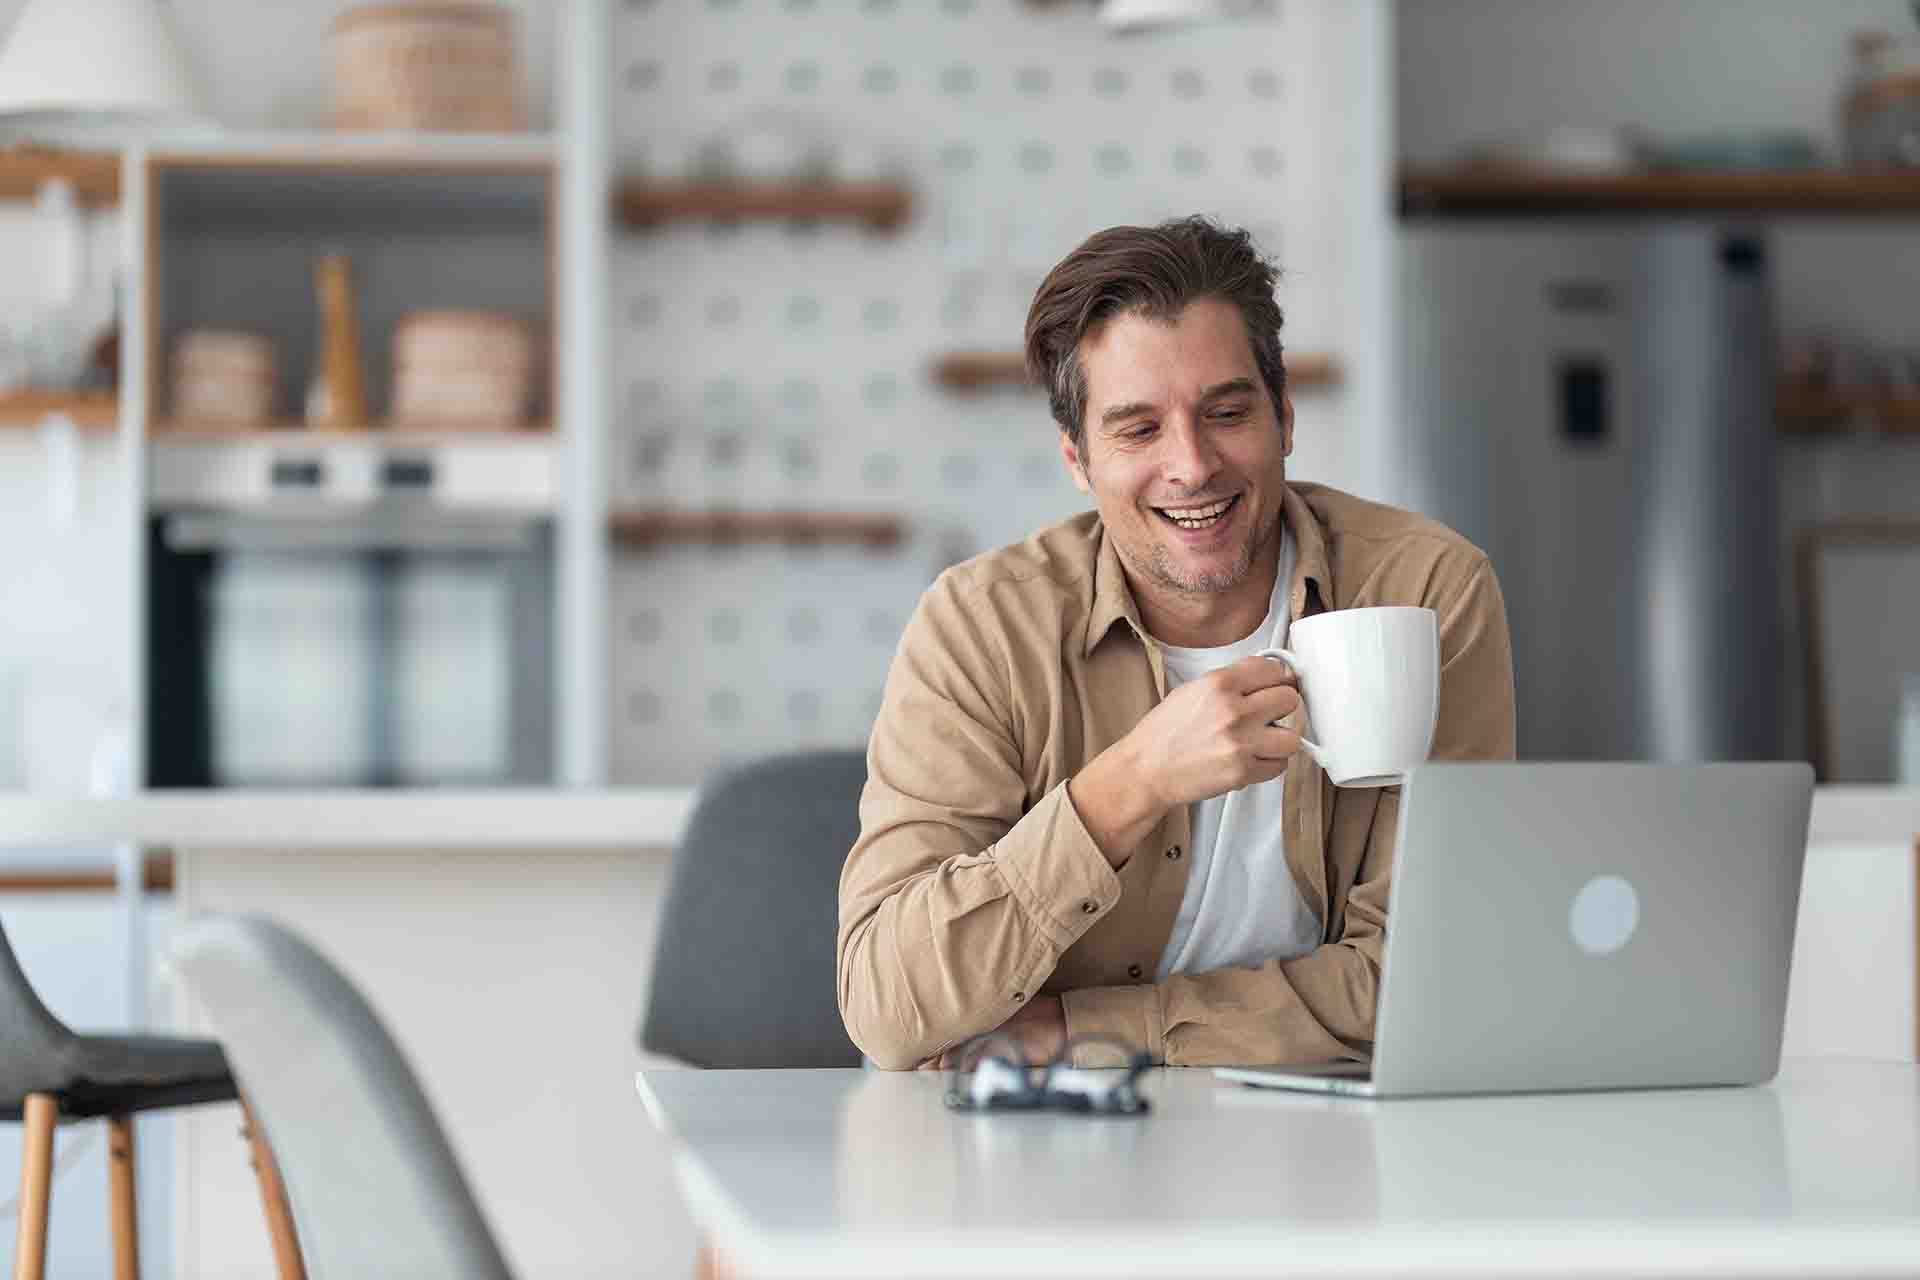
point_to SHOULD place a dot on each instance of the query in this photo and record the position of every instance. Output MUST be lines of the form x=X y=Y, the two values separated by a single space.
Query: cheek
x=1254 y=457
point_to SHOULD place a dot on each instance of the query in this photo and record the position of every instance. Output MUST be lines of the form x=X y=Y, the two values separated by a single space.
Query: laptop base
x=1345 y=1079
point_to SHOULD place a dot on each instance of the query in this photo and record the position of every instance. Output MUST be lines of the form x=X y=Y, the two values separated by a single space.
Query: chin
x=1219 y=575
x=1222 y=580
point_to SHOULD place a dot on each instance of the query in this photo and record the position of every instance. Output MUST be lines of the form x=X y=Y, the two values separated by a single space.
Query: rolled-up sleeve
x=958 y=899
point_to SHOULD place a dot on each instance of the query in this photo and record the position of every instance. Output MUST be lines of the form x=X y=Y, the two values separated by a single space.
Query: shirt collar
x=1310 y=569
x=1113 y=599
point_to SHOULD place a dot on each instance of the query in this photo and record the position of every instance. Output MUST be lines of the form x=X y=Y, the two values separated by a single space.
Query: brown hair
x=1154 y=272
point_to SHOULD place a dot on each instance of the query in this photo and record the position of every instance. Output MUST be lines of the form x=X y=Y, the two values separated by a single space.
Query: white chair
x=376 y=1190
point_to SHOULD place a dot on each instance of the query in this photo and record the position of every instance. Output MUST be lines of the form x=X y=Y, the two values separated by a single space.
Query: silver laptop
x=1582 y=926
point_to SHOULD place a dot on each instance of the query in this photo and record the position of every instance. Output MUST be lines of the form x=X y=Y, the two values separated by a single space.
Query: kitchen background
x=792 y=365
x=1690 y=76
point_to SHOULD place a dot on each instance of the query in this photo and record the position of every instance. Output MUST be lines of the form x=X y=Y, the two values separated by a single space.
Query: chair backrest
x=375 y=1187
x=743 y=972
x=31 y=1037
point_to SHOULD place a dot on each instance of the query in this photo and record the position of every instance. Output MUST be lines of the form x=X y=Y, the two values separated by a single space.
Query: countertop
x=1853 y=813
x=519 y=819
x=637 y=818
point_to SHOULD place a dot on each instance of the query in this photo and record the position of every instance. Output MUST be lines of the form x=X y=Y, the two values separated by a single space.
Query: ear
x=1076 y=468
x=1286 y=425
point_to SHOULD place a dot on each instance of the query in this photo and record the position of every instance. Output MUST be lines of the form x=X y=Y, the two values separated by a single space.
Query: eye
x=1227 y=413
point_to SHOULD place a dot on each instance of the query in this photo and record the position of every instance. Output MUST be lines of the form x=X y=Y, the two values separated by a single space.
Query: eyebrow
x=1121 y=412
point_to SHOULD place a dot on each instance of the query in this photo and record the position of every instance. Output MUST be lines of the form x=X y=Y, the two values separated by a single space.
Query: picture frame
x=1839 y=671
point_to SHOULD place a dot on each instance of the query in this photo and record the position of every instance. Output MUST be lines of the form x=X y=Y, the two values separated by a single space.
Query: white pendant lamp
x=92 y=67
x=1145 y=15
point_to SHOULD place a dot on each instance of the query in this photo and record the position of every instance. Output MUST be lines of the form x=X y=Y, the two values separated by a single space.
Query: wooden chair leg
x=273 y=1195
x=710 y=1264
x=41 y=1113
x=126 y=1217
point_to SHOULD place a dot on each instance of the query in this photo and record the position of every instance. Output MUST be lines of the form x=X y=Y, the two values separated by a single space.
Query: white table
x=850 y=1174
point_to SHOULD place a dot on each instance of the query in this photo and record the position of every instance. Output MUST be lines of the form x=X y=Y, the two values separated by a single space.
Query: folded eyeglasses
x=994 y=1075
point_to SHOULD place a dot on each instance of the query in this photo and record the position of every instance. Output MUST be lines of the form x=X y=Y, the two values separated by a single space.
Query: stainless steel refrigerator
x=1592 y=403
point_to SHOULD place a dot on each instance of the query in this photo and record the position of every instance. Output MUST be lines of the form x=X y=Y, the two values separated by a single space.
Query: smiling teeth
x=1197 y=517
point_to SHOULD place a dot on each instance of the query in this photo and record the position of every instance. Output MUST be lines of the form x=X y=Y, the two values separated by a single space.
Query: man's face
x=1184 y=456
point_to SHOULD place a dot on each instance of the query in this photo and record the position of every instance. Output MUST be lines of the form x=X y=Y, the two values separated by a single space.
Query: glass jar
x=1880 y=108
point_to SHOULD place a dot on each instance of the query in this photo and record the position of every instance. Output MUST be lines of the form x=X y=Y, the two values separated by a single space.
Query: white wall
x=1477 y=69
x=64 y=576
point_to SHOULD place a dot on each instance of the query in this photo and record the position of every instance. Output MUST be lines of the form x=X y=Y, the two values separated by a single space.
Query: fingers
x=1250 y=674
x=1274 y=703
x=1274 y=747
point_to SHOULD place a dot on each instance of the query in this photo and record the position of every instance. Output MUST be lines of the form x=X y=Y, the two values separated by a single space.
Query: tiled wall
x=773 y=365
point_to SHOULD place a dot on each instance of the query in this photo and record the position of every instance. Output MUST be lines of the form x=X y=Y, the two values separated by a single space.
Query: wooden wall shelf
x=296 y=433
x=90 y=410
x=95 y=175
x=1813 y=413
x=157 y=877
x=1501 y=191
x=968 y=372
x=650 y=527
x=884 y=206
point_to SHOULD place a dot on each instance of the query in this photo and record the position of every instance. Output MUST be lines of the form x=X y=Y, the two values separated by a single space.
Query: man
x=1065 y=718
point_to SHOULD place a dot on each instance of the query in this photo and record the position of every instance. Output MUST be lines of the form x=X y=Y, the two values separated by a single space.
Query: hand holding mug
x=1218 y=733
x=1371 y=680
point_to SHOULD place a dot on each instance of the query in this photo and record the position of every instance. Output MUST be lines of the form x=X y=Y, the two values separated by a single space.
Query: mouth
x=1199 y=517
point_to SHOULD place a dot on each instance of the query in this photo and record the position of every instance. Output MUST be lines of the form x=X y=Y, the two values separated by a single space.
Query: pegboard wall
x=788 y=365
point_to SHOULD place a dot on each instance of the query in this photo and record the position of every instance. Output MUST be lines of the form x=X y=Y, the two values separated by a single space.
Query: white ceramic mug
x=1371 y=682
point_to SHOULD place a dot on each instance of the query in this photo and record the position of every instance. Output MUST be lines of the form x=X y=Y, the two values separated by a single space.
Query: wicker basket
x=447 y=67
x=469 y=369
x=225 y=379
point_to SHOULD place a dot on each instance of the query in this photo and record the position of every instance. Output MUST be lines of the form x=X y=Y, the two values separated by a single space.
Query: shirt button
x=1133 y=971
x=1089 y=907
x=1173 y=854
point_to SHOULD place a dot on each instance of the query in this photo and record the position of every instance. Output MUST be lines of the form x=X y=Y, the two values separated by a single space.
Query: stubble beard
x=1160 y=566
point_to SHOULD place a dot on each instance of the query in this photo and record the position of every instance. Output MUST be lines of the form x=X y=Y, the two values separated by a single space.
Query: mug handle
x=1287 y=656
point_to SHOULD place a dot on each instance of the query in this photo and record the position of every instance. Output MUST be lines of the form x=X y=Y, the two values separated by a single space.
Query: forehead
x=1133 y=357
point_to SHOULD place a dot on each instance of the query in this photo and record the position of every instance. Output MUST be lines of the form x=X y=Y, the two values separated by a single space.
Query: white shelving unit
x=220 y=230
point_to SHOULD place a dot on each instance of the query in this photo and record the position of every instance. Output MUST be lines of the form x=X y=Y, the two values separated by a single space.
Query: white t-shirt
x=1242 y=907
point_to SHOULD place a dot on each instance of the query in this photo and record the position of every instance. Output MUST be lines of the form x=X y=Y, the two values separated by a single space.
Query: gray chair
x=375 y=1187
x=743 y=972
x=49 y=1073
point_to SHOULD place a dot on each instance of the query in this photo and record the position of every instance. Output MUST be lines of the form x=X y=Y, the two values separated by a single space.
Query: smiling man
x=1065 y=718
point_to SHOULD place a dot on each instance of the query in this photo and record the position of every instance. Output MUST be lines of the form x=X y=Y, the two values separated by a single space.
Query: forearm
x=957 y=944
x=1315 y=1008
x=1115 y=802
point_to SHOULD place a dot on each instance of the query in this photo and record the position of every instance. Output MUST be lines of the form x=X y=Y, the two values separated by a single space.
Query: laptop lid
x=1590 y=926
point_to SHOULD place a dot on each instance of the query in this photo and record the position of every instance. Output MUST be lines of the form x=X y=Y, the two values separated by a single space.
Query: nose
x=1189 y=460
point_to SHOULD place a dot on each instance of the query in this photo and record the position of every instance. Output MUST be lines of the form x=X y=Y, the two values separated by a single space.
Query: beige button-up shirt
x=974 y=885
